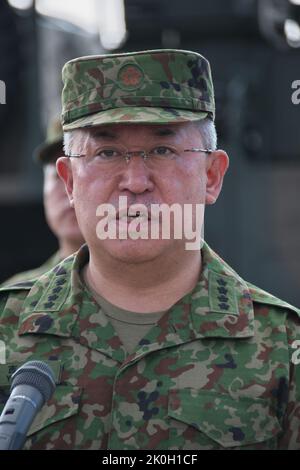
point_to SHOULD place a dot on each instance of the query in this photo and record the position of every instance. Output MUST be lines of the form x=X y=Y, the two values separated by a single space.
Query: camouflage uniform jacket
x=214 y=373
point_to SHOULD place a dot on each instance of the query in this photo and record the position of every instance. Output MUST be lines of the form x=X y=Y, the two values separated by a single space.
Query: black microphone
x=32 y=385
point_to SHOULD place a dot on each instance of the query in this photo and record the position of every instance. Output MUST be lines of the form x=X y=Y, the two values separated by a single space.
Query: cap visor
x=142 y=115
x=44 y=153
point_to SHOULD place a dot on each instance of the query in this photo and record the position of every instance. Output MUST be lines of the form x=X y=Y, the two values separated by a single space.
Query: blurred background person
x=60 y=216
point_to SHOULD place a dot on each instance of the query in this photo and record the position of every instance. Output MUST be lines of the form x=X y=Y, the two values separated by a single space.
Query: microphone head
x=37 y=374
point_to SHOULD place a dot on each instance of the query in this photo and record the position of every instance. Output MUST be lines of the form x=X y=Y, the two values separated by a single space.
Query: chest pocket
x=207 y=420
x=55 y=424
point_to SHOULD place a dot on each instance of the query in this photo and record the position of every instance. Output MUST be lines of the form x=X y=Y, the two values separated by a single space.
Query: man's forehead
x=115 y=130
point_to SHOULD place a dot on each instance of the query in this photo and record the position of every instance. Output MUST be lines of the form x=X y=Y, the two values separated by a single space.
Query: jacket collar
x=58 y=304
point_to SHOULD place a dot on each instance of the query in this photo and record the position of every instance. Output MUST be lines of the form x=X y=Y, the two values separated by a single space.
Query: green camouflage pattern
x=214 y=373
x=34 y=273
x=158 y=86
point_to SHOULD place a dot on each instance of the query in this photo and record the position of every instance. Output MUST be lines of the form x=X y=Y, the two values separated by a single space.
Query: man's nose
x=136 y=177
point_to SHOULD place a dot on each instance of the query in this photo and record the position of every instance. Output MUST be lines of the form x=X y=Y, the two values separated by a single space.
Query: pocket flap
x=63 y=404
x=228 y=421
x=7 y=370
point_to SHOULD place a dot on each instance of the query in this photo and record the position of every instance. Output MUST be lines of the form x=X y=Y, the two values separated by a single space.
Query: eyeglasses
x=114 y=155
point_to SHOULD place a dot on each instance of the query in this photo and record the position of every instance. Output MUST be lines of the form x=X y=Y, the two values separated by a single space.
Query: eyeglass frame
x=143 y=153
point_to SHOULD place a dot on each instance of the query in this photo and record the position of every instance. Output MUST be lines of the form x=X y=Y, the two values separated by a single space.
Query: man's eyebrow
x=103 y=133
x=164 y=132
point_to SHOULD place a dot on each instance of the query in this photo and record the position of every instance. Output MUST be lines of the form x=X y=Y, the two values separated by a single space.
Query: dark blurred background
x=254 y=50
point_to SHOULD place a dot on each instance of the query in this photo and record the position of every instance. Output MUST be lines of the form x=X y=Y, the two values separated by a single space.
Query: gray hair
x=206 y=127
x=208 y=133
x=69 y=140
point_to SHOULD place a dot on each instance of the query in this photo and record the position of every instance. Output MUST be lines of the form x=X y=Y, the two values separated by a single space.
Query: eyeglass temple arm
x=209 y=151
x=76 y=155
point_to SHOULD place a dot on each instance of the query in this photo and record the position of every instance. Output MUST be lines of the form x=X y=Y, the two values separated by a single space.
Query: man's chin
x=135 y=251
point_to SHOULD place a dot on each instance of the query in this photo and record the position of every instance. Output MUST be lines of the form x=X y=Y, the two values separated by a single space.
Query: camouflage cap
x=46 y=152
x=159 y=86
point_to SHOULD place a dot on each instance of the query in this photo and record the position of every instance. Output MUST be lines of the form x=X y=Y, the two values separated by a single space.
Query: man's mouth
x=127 y=217
x=132 y=214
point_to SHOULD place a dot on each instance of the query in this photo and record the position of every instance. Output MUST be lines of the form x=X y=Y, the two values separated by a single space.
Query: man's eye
x=107 y=154
x=162 y=151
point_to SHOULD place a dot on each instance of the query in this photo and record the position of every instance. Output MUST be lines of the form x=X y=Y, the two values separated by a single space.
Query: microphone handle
x=17 y=416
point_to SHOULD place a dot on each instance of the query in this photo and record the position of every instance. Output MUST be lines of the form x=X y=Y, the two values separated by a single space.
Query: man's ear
x=217 y=164
x=64 y=170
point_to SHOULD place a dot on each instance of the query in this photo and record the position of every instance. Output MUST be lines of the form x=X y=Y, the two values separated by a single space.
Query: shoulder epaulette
x=261 y=296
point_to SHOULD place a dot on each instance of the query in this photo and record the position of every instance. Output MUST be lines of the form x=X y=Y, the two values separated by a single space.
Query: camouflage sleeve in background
x=290 y=438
